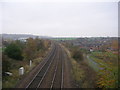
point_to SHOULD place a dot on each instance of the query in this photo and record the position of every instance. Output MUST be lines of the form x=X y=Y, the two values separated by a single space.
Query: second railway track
x=57 y=81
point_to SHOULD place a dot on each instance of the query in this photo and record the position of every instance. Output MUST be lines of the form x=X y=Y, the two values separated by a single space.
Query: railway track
x=46 y=83
x=37 y=78
x=57 y=81
x=50 y=74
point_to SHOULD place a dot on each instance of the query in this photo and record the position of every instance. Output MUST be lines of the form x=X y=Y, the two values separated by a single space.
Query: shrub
x=77 y=55
x=6 y=64
x=13 y=51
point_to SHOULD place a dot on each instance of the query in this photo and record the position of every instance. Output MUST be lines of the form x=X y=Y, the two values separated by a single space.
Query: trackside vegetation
x=93 y=69
x=14 y=51
x=108 y=73
x=17 y=54
x=83 y=75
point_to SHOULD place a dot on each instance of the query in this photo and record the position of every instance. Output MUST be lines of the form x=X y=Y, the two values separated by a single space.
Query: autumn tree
x=39 y=43
x=30 y=49
x=114 y=44
x=46 y=43
x=34 y=48
x=108 y=76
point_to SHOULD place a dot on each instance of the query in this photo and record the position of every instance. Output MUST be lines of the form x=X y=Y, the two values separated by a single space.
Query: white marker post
x=30 y=63
x=21 y=70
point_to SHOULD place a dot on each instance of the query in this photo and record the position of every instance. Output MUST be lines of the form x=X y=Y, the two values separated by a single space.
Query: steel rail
x=52 y=53
x=62 y=71
x=51 y=67
x=46 y=71
x=54 y=73
x=60 y=60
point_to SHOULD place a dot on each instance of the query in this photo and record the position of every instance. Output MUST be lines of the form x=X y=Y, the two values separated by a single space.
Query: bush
x=77 y=55
x=13 y=51
x=6 y=64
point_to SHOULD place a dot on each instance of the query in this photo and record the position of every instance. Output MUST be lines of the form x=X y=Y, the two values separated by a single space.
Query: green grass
x=93 y=64
x=109 y=72
x=0 y=49
x=105 y=57
x=11 y=81
x=78 y=73
x=104 y=54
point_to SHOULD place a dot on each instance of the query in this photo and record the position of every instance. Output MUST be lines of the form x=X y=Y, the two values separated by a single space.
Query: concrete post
x=21 y=70
x=30 y=63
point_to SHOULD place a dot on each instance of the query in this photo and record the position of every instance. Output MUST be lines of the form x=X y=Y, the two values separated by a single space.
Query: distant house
x=23 y=39
x=91 y=50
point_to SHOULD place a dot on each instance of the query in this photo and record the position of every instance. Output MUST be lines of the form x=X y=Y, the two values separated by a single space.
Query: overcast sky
x=60 y=18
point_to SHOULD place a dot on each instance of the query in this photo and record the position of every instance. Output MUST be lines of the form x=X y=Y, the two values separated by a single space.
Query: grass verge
x=83 y=75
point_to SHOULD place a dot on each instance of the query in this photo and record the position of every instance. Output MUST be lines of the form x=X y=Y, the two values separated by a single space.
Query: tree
x=77 y=54
x=20 y=44
x=13 y=51
x=39 y=43
x=115 y=44
x=34 y=48
x=30 y=49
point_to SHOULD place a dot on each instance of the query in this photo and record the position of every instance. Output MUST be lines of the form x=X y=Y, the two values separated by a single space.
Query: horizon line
x=57 y=36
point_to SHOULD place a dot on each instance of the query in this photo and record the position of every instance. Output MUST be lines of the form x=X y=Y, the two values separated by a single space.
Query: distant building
x=91 y=50
x=22 y=39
